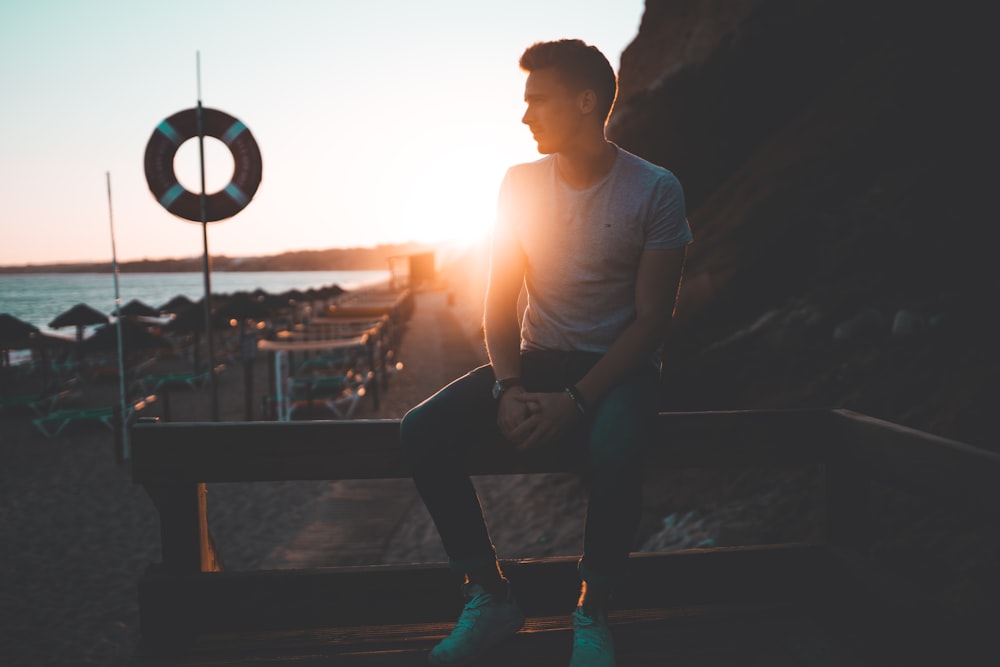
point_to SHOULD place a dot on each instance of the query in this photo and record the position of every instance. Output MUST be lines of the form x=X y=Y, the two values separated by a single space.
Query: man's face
x=553 y=114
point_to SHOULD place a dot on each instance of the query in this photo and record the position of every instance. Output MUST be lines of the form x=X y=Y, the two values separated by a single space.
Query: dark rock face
x=835 y=162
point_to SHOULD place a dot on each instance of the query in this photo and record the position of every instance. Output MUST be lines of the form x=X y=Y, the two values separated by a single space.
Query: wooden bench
x=187 y=597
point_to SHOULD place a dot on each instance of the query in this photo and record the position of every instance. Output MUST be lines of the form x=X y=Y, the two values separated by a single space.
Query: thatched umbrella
x=135 y=338
x=176 y=305
x=80 y=316
x=241 y=307
x=333 y=290
x=15 y=334
x=136 y=308
x=192 y=321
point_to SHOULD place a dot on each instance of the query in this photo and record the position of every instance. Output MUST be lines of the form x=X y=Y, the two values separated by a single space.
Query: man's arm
x=500 y=323
x=656 y=287
x=657 y=284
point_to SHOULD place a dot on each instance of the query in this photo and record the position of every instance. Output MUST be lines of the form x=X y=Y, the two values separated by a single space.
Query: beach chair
x=40 y=404
x=344 y=405
x=153 y=382
x=53 y=423
x=339 y=393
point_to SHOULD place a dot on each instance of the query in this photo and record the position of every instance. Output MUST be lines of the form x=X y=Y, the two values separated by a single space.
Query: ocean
x=39 y=298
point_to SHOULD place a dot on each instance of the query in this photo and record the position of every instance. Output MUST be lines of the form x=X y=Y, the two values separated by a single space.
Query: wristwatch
x=500 y=386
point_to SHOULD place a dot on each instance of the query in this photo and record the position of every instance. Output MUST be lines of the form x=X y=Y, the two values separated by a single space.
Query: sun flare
x=450 y=199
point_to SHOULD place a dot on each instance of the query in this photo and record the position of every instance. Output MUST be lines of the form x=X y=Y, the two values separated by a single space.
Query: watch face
x=497 y=389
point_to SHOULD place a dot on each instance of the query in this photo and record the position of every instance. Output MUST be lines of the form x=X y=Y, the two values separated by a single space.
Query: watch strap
x=504 y=384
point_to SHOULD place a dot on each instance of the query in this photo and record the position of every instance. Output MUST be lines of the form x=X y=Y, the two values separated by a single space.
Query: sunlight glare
x=451 y=198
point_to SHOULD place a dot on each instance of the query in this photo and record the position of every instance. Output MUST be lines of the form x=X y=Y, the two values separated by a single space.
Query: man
x=597 y=238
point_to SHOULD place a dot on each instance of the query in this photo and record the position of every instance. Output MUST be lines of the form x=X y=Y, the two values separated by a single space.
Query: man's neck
x=585 y=165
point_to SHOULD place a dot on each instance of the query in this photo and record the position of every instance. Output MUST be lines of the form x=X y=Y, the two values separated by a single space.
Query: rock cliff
x=834 y=158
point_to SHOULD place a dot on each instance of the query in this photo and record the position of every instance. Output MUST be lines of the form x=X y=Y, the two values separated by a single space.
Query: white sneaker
x=485 y=622
x=592 y=642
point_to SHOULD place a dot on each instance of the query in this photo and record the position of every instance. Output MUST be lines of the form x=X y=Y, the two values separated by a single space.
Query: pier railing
x=189 y=593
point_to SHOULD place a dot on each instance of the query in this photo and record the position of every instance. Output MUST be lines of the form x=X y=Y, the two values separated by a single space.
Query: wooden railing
x=188 y=592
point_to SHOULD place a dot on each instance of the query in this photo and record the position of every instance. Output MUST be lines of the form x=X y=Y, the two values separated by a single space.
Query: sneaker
x=485 y=622
x=592 y=642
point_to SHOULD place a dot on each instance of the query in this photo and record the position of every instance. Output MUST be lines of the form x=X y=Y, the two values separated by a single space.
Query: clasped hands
x=527 y=419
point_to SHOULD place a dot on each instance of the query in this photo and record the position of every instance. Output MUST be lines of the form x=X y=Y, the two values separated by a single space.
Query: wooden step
x=707 y=635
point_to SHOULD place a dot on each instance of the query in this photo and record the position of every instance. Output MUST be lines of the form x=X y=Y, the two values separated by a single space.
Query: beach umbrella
x=189 y=320
x=178 y=304
x=135 y=338
x=43 y=345
x=192 y=321
x=294 y=295
x=80 y=316
x=136 y=308
x=333 y=290
x=14 y=331
x=15 y=334
x=241 y=307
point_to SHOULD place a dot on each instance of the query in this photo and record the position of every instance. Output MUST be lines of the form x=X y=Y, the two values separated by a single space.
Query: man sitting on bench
x=597 y=237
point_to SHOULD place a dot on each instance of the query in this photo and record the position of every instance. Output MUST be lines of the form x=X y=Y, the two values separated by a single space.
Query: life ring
x=162 y=179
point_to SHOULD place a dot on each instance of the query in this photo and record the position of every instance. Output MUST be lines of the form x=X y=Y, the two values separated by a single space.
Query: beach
x=76 y=534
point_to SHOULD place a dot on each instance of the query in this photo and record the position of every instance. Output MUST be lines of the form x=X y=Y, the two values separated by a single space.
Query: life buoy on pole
x=162 y=179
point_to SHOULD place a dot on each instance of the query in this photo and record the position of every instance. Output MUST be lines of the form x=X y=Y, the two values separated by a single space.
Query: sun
x=450 y=198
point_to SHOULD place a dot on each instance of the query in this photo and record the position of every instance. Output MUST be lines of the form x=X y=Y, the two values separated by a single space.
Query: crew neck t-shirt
x=582 y=247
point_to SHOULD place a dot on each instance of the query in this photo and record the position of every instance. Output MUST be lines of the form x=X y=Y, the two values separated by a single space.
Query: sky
x=378 y=121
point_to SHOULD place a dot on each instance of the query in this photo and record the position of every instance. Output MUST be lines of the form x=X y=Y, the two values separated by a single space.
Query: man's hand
x=550 y=416
x=511 y=413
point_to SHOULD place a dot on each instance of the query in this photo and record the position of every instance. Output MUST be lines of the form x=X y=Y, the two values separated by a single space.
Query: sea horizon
x=38 y=298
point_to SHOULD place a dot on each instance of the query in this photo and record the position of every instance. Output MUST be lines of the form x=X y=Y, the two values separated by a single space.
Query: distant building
x=411 y=271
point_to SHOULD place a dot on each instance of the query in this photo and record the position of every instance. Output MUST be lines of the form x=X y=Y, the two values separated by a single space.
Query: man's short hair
x=580 y=67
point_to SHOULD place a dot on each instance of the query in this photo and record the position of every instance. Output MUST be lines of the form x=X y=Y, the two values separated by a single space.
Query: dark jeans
x=608 y=447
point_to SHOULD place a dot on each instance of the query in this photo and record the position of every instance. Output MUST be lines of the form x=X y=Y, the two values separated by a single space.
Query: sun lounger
x=338 y=392
x=55 y=422
x=40 y=404
x=153 y=382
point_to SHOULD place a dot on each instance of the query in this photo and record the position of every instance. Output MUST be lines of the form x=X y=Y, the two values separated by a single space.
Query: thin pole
x=206 y=261
x=123 y=420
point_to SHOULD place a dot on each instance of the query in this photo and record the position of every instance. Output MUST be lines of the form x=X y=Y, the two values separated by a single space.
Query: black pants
x=608 y=447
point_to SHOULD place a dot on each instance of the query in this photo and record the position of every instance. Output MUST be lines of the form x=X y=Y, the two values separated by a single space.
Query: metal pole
x=126 y=452
x=206 y=259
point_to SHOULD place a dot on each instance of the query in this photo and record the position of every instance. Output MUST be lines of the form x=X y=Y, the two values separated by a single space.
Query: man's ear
x=586 y=101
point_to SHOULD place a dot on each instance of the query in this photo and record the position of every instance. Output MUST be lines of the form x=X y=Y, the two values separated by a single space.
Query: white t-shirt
x=583 y=246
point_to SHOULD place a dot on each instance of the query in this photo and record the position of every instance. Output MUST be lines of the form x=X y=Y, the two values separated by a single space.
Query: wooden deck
x=789 y=604
x=646 y=638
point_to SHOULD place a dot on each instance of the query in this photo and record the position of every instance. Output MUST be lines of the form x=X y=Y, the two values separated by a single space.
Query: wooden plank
x=961 y=475
x=369 y=449
x=174 y=607
x=267 y=451
x=643 y=638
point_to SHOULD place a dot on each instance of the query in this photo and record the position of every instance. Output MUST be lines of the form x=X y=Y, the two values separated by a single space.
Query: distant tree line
x=331 y=259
